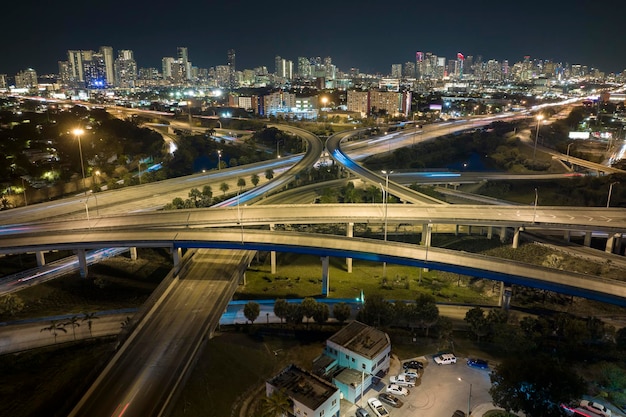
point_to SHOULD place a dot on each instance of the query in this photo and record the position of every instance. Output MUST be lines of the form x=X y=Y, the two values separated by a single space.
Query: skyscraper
x=231 y=69
x=183 y=60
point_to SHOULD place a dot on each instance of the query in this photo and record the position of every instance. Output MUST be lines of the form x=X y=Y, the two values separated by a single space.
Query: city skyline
x=369 y=36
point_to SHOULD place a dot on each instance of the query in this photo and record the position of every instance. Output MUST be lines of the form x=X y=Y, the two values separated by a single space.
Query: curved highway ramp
x=149 y=369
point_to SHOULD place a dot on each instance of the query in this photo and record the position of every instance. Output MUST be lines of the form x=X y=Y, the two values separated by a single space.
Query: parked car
x=362 y=412
x=377 y=407
x=413 y=365
x=412 y=373
x=402 y=380
x=445 y=359
x=596 y=408
x=477 y=363
x=396 y=389
x=458 y=413
x=390 y=399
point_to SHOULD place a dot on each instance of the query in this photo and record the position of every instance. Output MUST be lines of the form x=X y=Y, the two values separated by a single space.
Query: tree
x=251 y=310
x=241 y=183
x=426 y=311
x=309 y=304
x=269 y=174
x=342 y=312
x=195 y=196
x=321 y=314
x=276 y=405
x=535 y=385
x=224 y=187
x=281 y=308
x=89 y=318
x=54 y=328
x=294 y=314
x=477 y=321
x=11 y=304
x=73 y=321
x=254 y=179
x=207 y=196
x=376 y=311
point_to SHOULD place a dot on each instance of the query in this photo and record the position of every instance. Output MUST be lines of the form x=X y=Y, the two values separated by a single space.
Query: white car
x=445 y=359
x=596 y=408
x=377 y=407
x=397 y=390
x=402 y=380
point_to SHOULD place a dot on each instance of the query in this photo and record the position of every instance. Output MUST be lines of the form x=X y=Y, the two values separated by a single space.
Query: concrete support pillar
x=503 y=234
x=133 y=253
x=516 y=237
x=82 y=262
x=567 y=235
x=456 y=230
x=469 y=229
x=41 y=258
x=489 y=232
x=429 y=236
x=273 y=255
x=325 y=276
x=587 y=239
x=619 y=241
x=424 y=233
x=506 y=297
x=176 y=257
x=349 y=233
x=242 y=280
x=610 y=243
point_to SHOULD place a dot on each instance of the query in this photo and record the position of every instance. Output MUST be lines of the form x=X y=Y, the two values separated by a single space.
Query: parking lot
x=438 y=392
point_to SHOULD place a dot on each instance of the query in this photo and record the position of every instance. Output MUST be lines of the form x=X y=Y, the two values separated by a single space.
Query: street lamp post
x=539 y=119
x=535 y=208
x=78 y=132
x=219 y=159
x=608 y=200
x=469 y=398
x=386 y=203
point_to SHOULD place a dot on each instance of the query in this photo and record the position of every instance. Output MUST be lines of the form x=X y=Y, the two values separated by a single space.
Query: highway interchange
x=188 y=230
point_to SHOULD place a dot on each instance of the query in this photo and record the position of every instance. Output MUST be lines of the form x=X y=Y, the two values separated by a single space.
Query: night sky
x=367 y=35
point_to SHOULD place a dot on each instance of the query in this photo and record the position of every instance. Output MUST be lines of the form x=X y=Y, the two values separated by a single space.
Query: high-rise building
x=304 y=68
x=26 y=79
x=107 y=54
x=284 y=68
x=396 y=71
x=409 y=70
x=125 y=69
x=166 y=67
x=94 y=72
x=184 y=63
x=232 y=79
x=3 y=82
x=76 y=61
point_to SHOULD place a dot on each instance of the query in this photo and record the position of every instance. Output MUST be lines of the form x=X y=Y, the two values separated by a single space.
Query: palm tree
x=89 y=318
x=73 y=321
x=224 y=187
x=54 y=328
x=254 y=179
x=277 y=404
x=269 y=174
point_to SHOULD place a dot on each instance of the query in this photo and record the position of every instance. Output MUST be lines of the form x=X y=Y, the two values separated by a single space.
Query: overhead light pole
x=219 y=159
x=469 y=398
x=539 y=119
x=78 y=132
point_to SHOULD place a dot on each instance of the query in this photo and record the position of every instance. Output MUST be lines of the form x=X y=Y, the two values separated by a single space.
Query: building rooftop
x=350 y=377
x=303 y=386
x=362 y=339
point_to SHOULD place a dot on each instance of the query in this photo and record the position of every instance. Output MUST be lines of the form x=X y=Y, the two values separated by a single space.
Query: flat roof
x=360 y=338
x=303 y=386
